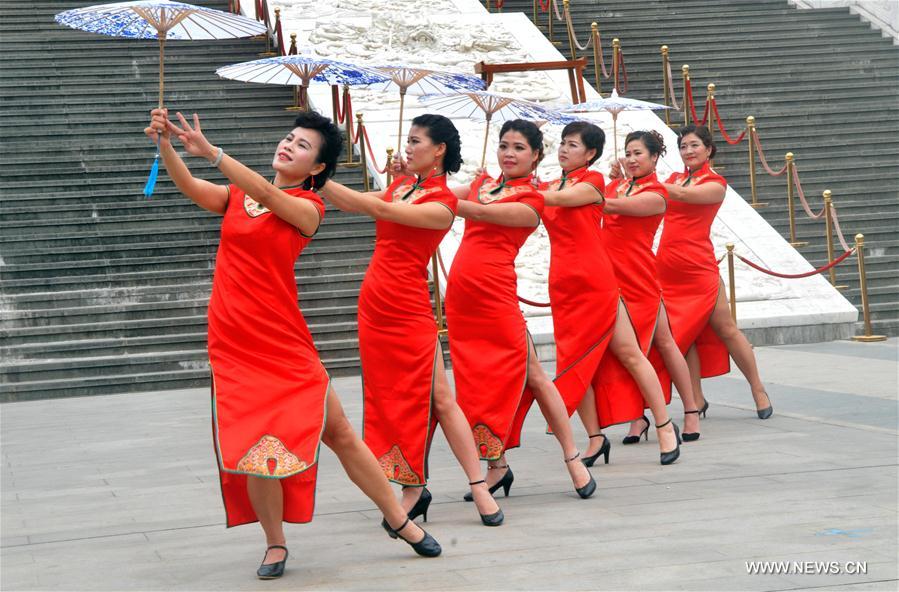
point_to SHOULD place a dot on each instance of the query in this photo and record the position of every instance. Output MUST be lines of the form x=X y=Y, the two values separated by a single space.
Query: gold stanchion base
x=294 y=108
x=267 y=54
x=869 y=338
x=442 y=332
x=759 y=205
x=350 y=165
x=798 y=244
x=841 y=287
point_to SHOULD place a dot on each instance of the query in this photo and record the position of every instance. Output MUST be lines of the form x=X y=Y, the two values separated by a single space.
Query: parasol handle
x=486 y=137
x=615 y=131
x=399 y=134
x=161 y=36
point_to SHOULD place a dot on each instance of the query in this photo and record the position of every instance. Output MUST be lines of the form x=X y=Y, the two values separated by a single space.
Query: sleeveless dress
x=398 y=336
x=628 y=241
x=688 y=272
x=584 y=296
x=487 y=332
x=269 y=387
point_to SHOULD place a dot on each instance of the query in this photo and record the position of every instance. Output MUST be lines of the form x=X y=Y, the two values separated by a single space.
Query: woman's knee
x=443 y=400
x=339 y=433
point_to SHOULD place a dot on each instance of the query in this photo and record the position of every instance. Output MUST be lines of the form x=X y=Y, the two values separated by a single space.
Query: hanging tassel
x=154 y=173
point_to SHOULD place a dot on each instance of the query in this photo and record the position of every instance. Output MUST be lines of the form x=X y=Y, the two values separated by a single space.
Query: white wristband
x=218 y=158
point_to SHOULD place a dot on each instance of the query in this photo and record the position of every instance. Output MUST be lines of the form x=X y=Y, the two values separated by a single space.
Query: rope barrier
x=532 y=303
x=556 y=9
x=671 y=88
x=722 y=258
x=623 y=69
x=544 y=6
x=692 y=104
x=761 y=153
x=721 y=126
x=802 y=199
x=602 y=61
x=574 y=35
x=371 y=154
x=836 y=225
x=792 y=276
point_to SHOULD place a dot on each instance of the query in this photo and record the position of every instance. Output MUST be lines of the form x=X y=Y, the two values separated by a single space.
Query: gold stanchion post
x=665 y=84
x=597 y=72
x=536 y=24
x=363 y=159
x=348 y=128
x=710 y=117
x=863 y=286
x=790 y=209
x=828 y=225
x=571 y=46
x=731 y=281
x=685 y=71
x=549 y=23
x=616 y=49
x=389 y=173
x=750 y=127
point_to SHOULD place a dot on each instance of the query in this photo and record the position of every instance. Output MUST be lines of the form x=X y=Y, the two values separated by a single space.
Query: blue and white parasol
x=615 y=105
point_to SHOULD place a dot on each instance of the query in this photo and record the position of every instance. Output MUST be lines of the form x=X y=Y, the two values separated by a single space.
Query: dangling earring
x=312 y=183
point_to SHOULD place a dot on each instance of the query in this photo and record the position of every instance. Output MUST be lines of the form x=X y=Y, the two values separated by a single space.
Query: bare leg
x=458 y=434
x=553 y=408
x=695 y=376
x=590 y=418
x=625 y=347
x=739 y=348
x=677 y=368
x=267 y=499
x=362 y=468
x=496 y=470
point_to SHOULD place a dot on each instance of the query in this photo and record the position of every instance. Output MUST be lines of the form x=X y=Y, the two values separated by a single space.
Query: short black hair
x=591 y=135
x=328 y=152
x=529 y=130
x=700 y=131
x=442 y=131
x=652 y=139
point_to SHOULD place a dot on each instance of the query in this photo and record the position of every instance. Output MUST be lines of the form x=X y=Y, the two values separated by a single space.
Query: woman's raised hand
x=616 y=172
x=195 y=143
x=398 y=167
x=158 y=125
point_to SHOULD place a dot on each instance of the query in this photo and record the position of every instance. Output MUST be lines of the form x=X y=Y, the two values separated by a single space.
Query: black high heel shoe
x=588 y=489
x=272 y=571
x=494 y=519
x=603 y=450
x=426 y=547
x=692 y=436
x=703 y=409
x=505 y=483
x=767 y=411
x=635 y=439
x=421 y=506
x=666 y=458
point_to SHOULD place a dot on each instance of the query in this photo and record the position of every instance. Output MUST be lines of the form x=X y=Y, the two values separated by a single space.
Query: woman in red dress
x=496 y=370
x=634 y=209
x=272 y=400
x=589 y=321
x=404 y=384
x=694 y=292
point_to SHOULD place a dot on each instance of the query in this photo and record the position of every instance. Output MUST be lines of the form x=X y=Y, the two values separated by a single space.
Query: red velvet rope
x=281 y=47
x=792 y=276
x=689 y=86
x=532 y=303
x=371 y=154
x=727 y=138
x=499 y=4
x=544 y=6
x=623 y=69
x=722 y=258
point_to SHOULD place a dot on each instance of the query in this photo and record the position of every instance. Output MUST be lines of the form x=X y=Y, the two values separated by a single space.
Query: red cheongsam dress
x=584 y=295
x=688 y=272
x=487 y=332
x=398 y=336
x=628 y=241
x=268 y=384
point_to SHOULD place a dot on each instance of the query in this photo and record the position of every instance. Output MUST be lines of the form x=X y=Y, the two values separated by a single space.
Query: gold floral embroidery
x=396 y=468
x=484 y=195
x=270 y=458
x=402 y=190
x=489 y=446
x=253 y=208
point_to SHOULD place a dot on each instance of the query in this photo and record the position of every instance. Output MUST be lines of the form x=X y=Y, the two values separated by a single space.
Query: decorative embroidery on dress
x=485 y=197
x=489 y=446
x=395 y=466
x=253 y=208
x=270 y=458
x=417 y=194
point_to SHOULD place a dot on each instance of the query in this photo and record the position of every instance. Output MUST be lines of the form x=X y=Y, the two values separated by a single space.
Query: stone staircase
x=101 y=289
x=820 y=83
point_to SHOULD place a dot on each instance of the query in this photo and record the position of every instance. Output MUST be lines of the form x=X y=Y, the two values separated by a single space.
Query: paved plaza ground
x=121 y=493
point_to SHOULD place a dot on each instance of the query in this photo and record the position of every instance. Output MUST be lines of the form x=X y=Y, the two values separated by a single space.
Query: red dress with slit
x=269 y=387
x=688 y=272
x=398 y=336
x=628 y=241
x=584 y=296
x=487 y=332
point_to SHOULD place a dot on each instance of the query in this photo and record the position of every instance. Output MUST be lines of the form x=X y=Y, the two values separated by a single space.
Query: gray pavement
x=121 y=493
